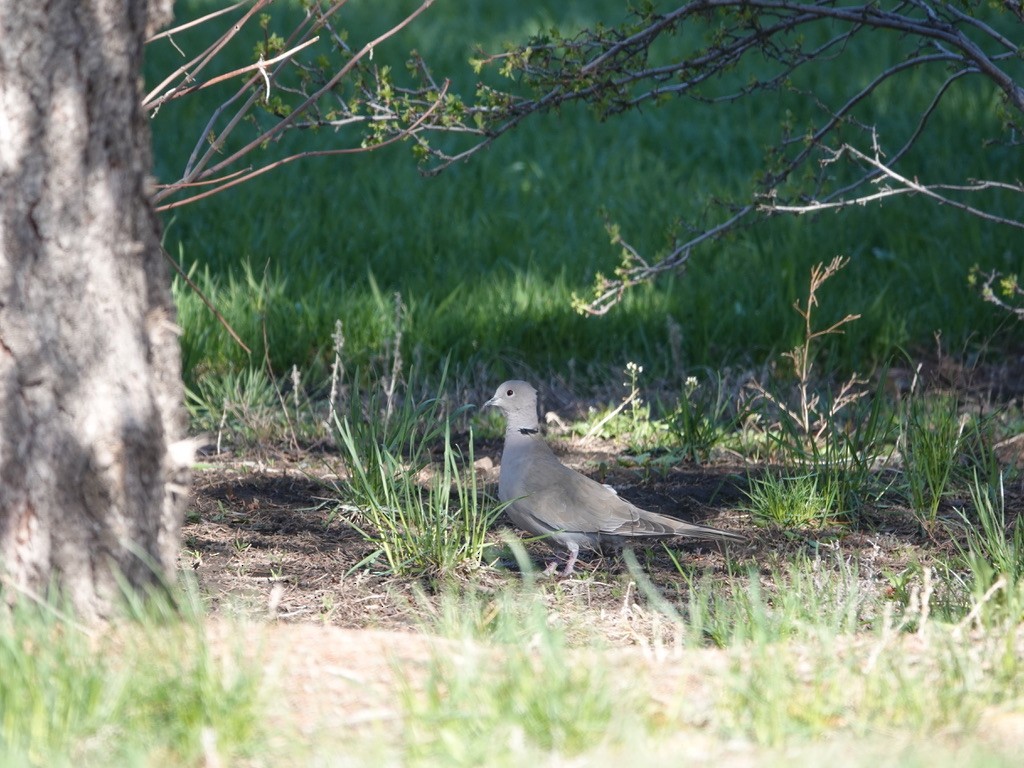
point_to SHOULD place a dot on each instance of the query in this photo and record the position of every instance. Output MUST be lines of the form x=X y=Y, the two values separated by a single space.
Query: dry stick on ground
x=209 y=304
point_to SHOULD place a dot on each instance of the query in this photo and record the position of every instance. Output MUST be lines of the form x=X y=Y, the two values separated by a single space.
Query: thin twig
x=278 y=128
x=195 y=22
x=259 y=67
x=209 y=304
x=909 y=186
x=152 y=103
x=170 y=189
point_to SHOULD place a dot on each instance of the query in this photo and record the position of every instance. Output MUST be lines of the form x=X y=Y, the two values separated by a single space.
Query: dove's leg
x=574 y=551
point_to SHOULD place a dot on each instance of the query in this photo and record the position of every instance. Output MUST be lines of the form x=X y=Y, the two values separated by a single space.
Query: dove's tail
x=705 y=532
x=654 y=524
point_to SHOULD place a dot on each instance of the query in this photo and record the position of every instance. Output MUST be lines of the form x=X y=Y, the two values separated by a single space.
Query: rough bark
x=92 y=458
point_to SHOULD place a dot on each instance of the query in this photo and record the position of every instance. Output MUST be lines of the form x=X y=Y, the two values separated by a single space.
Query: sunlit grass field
x=487 y=255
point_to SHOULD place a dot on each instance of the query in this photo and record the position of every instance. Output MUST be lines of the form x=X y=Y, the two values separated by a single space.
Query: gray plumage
x=550 y=499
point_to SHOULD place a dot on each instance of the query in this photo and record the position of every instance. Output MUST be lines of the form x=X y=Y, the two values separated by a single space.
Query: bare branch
x=608 y=68
x=207 y=164
x=238 y=177
x=188 y=72
x=907 y=186
x=195 y=22
x=260 y=67
x=634 y=270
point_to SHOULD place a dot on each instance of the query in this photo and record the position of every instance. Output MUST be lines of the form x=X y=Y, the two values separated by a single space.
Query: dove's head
x=518 y=401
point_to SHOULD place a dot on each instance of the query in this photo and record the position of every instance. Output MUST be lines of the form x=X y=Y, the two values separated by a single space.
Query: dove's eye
x=509 y=393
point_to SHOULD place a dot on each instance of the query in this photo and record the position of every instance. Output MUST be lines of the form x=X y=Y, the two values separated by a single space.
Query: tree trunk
x=93 y=465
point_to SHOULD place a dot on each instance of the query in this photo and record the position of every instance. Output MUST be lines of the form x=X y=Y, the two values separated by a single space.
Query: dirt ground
x=270 y=550
x=266 y=539
x=264 y=536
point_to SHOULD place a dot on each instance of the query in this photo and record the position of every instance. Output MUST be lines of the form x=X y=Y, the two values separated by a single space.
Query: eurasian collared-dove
x=550 y=499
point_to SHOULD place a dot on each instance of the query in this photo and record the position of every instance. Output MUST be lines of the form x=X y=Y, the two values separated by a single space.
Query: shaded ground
x=267 y=539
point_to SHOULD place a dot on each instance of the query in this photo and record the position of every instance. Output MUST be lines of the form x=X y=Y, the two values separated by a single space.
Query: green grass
x=425 y=518
x=516 y=687
x=149 y=690
x=821 y=653
x=705 y=416
x=933 y=440
x=817 y=655
x=487 y=255
x=801 y=501
x=784 y=695
x=994 y=552
x=434 y=526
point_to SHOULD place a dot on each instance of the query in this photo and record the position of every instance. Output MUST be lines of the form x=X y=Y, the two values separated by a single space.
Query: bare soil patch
x=267 y=539
x=263 y=535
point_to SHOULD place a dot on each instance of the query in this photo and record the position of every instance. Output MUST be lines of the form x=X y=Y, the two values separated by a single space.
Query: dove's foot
x=574 y=551
x=552 y=568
